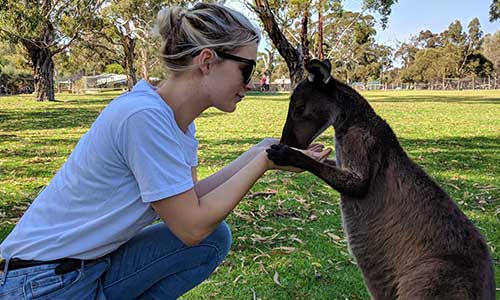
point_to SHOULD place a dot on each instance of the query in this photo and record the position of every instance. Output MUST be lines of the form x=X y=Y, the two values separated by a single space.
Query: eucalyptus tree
x=451 y=53
x=45 y=28
x=123 y=24
x=127 y=26
x=14 y=68
x=491 y=50
x=279 y=17
x=494 y=10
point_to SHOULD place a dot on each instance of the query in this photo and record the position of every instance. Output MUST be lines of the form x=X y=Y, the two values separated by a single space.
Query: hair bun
x=167 y=19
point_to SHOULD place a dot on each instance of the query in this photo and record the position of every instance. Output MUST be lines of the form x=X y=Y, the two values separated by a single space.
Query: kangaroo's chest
x=361 y=224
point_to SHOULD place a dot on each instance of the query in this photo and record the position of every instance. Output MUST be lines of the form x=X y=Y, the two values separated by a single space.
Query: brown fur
x=409 y=238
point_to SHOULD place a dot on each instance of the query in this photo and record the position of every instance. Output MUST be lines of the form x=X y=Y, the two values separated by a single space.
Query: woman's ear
x=204 y=59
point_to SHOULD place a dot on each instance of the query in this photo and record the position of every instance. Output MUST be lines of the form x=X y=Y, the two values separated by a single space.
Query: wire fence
x=446 y=84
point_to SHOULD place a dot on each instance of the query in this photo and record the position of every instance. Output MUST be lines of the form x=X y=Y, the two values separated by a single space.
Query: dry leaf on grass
x=276 y=278
x=254 y=294
x=334 y=237
x=261 y=255
x=266 y=195
x=237 y=278
x=286 y=250
x=262 y=267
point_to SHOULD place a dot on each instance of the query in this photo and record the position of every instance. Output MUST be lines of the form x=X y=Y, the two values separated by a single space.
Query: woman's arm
x=206 y=185
x=192 y=218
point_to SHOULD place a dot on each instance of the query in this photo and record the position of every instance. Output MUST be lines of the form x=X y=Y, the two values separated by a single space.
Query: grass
x=288 y=242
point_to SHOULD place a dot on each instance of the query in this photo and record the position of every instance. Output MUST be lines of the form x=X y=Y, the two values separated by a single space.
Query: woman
x=87 y=235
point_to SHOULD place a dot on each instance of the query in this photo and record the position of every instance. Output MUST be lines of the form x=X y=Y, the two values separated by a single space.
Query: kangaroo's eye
x=300 y=109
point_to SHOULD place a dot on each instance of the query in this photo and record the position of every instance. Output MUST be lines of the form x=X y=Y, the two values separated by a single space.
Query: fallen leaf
x=313 y=217
x=237 y=278
x=297 y=240
x=261 y=255
x=285 y=249
x=265 y=195
x=334 y=236
x=276 y=278
x=262 y=267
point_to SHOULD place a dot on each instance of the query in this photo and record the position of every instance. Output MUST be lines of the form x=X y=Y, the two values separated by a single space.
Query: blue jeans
x=152 y=265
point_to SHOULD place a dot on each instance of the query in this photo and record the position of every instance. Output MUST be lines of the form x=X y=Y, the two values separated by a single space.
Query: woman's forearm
x=218 y=203
x=206 y=185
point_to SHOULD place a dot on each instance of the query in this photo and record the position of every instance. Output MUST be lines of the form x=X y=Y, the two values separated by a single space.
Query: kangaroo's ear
x=319 y=71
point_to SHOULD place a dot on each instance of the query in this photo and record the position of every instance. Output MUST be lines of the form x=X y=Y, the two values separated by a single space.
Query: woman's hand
x=316 y=152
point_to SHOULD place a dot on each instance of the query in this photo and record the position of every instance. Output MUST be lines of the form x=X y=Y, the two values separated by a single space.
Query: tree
x=45 y=28
x=406 y=51
x=121 y=21
x=491 y=50
x=268 y=60
x=270 y=12
x=494 y=10
x=125 y=24
x=15 y=71
x=433 y=64
x=427 y=39
x=353 y=50
x=292 y=55
x=452 y=53
x=82 y=58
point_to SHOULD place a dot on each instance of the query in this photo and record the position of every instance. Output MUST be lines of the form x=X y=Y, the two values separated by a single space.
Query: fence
x=96 y=84
x=447 y=84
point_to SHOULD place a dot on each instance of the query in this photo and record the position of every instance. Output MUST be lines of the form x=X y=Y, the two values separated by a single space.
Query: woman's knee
x=221 y=239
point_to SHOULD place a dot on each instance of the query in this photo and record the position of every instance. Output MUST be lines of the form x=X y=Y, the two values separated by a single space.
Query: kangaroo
x=410 y=240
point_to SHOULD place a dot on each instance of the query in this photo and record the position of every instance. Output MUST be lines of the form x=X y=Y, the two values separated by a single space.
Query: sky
x=409 y=17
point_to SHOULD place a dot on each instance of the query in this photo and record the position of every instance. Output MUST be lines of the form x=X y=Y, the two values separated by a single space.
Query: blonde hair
x=185 y=32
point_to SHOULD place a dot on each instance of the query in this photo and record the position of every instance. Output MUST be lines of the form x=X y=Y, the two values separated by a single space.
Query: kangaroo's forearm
x=330 y=162
x=344 y=181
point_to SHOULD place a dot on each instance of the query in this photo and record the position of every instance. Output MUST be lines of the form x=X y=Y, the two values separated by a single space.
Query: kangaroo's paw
x=283 y=155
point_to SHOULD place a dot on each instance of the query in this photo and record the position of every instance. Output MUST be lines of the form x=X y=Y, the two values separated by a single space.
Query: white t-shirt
x=133 y=154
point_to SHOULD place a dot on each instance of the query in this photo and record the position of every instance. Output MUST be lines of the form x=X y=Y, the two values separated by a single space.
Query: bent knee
x=221 y=239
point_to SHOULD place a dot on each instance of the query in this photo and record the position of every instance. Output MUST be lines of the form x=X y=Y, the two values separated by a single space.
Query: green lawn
x=288 y=242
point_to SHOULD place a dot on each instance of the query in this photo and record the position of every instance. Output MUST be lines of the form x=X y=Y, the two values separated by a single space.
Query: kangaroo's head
x=312 y=106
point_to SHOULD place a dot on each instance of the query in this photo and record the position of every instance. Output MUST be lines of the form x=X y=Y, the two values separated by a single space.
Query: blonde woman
x=88 y=234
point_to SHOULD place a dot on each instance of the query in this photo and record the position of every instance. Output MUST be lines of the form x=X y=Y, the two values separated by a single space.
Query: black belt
x=64 y=265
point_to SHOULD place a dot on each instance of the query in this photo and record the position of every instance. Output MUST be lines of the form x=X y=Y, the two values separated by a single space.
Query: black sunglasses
x=246 y=69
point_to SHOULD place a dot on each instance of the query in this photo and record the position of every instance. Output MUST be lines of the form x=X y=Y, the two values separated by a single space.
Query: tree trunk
x=292 y=56
x=320 y=34
x=303 y=36
x=43 y=70
x=145 y=62
x=129 y=47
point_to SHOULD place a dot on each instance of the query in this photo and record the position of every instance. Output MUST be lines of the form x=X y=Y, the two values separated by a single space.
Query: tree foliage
x=452 y=53
x=491 y=50
x=287 y=25
x=494 y=10
x=47 y=28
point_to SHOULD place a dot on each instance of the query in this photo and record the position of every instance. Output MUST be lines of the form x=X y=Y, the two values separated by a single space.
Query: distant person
x=267 y=82
x=282 y=83
x=263 y=83
x=88 y=234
